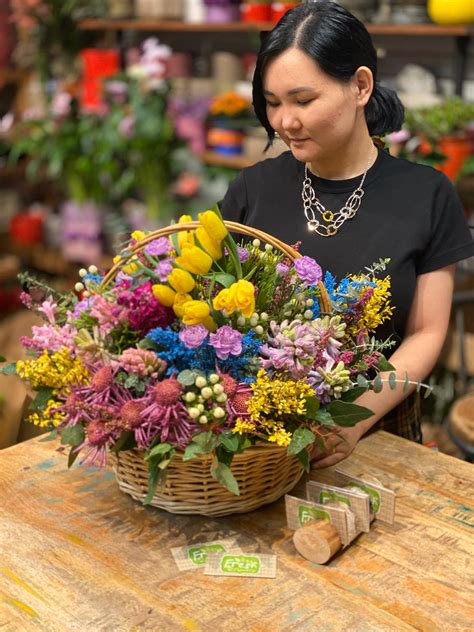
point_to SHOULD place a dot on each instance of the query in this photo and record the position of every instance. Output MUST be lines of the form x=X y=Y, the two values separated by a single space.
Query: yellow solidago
x=280 y=436
x=242 y=426
x=49 y=417
x=377 y=308
x=57 y=371
x=276 y=399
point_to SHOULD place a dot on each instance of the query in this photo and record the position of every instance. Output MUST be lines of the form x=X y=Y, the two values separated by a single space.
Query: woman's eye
x=272 y=105
x=305 y=102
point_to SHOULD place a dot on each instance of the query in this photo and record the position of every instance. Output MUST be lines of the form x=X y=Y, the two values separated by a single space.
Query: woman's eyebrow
x=293 y=91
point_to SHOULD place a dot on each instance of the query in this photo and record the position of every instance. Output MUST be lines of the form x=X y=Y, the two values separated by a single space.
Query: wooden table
x=78 y=554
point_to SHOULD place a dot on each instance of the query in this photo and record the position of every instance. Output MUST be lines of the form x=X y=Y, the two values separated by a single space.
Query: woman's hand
x=339 y=444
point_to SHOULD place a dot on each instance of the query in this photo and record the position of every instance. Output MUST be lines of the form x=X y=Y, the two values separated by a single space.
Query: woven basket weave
x=264 y=472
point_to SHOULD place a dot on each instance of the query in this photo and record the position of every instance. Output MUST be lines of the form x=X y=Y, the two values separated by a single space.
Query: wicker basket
x=264 y=472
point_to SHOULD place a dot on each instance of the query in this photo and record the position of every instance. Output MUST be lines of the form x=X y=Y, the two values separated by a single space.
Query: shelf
x=232 y=162
x=172 y=25
x=239 y=27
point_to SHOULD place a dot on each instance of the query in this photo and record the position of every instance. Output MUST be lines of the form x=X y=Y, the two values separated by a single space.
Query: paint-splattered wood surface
x=77 y=554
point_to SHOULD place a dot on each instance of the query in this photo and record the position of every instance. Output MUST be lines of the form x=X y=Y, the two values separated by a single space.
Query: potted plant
x=229 y=115
x=444 y=126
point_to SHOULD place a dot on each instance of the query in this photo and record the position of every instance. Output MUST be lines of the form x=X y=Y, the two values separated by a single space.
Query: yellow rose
x=130 y=267
x=211 y=246
x=195 y=260
x=243 y=294
x=185 y=237
x=179 y=302
x=164 y=294
x=195 y=312
x=225 y=301
x=181 y=281
x=213 y=225
x=138 y=235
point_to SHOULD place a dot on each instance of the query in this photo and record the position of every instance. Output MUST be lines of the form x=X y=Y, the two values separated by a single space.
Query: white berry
x=200 y=381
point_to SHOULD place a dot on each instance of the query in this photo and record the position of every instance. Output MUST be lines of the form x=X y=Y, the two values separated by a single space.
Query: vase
x=452 y=12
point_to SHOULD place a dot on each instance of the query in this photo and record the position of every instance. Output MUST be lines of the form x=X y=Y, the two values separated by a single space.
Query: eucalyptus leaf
x=377 y=384
x=187 y=377
x=362 y=381
x=406 y=383
x=8 y=369
x=392 y=381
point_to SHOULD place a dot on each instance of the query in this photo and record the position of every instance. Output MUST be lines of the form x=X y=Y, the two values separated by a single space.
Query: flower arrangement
x=195 y=345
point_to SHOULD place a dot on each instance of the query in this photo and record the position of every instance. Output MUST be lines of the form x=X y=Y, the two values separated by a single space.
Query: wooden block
x=317 y=541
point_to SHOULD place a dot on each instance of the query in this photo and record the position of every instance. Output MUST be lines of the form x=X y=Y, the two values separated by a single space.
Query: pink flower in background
x=187 y=185
x=61 y=105
x=118 y=90
x=48 y=308
x=6 y=123
x=127 y=126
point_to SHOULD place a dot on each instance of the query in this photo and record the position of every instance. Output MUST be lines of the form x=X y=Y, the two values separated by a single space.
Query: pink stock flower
x=226 y=341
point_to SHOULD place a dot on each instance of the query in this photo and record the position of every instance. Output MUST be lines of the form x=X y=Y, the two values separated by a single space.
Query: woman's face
x=315 y=114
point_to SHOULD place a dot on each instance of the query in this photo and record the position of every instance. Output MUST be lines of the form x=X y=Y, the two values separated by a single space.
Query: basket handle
x=234 y=227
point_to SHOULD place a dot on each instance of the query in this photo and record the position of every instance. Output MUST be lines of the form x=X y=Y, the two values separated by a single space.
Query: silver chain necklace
x=330 y=222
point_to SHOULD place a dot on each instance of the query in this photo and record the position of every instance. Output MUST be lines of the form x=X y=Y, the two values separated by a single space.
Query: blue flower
x=171 y=349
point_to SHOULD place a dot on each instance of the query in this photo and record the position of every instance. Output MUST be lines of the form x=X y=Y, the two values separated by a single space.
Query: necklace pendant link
x=328 y=216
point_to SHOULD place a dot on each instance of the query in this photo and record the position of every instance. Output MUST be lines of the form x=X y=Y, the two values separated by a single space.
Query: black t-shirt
x=410 y=213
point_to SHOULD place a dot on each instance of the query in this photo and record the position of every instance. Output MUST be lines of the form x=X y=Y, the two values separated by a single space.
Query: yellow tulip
x=181 y=281
x=138 y=235
x=179 y=302
x=213 y=224
x=195 y=312
x=195 y=260
x=211 y=246
x=243 y=294
x=130 y=267
x=164 y=294
x=185 y=237
x=225 y=301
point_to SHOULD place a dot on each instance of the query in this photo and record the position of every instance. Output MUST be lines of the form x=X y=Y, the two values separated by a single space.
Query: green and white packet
x=241 y=565
x=194 y=556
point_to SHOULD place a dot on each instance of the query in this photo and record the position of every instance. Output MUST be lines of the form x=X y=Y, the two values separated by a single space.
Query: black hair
x=340 y=44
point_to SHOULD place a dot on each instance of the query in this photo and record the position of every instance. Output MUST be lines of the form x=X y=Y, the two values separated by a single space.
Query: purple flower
x=226 y=341
x=193 y=336
x=164 y=268
x=243 y=254
x=308 y=270
x=159 y=247
x=282 y=269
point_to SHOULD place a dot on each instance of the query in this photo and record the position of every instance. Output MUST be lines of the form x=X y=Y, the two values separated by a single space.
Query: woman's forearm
x=415 y=357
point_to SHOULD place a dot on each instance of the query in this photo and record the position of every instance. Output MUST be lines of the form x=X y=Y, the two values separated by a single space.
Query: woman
x=347 y=202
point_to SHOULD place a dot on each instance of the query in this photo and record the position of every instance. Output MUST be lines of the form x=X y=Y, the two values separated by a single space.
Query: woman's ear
x=364 y=84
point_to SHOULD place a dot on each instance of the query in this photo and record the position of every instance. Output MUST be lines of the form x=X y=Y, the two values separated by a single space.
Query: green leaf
x=72 y=456
x=312 y=407
x=192 y=450
x=160 y=449
x=384 y=365
x=303 y=457
x=155 y=476
x=324 y=417
x=428 y=391
x=222 y=473
x=187 y=377
x=206 y=440
x=72 y=435
x=377 y=384
x=41 y=400
x=8 y=369
x=353 y=394
x=2 y=359
x=348 y=414
x=392 y=381
x=301 y=438
x=230 y=441
x=126 y=441
x=224 y=456
x=223 y=279
x=406 y=383
x=362 y=381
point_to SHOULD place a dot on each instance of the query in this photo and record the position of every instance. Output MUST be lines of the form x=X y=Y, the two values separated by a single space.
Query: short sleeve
x=450 y=238
x=234 y=206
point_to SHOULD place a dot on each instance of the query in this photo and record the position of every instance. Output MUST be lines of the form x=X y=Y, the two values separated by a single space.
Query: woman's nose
x=289 y=121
